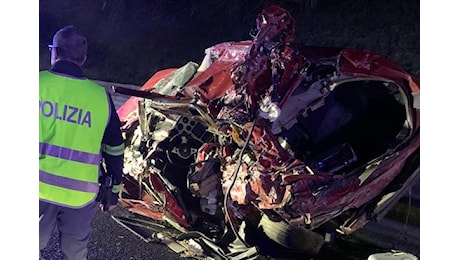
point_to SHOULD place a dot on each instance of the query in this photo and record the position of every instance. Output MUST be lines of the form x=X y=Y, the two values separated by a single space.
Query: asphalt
x=111 y=241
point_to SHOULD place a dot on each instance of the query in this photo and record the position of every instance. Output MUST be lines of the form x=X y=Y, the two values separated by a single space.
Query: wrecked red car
x=268 y=138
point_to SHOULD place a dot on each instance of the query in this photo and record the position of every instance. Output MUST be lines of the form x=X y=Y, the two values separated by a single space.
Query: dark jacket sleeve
x=113 y=143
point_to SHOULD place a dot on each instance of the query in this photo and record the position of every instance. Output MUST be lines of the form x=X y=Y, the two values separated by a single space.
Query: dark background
x=129 y=40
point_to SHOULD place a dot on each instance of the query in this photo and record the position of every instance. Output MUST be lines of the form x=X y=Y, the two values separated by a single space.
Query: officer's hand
x=111 y=207
x=113 y=201
x=110 y=203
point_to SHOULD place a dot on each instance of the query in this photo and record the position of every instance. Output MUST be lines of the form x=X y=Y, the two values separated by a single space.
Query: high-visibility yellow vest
x=73 y=114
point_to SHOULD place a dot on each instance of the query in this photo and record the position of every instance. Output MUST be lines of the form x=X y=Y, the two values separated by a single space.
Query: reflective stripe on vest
x=69 y=154
x=114 y=150
x=73 y=114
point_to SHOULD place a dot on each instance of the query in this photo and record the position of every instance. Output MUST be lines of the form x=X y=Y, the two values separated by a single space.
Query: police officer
x=79 y=131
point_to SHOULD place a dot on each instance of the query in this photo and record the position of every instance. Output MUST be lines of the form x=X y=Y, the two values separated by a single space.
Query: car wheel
x=293 y=237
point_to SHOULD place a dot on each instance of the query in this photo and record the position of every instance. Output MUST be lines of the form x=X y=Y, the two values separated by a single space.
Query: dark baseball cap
x=70 y=40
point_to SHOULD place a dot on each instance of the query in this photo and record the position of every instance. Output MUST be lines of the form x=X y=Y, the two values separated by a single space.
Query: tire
x=293 y=237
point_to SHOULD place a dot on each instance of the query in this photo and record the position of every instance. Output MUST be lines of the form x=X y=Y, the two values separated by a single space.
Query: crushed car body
x=273 y=135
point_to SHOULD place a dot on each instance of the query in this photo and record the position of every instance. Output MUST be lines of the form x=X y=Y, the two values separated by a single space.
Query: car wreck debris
x=268 y=138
